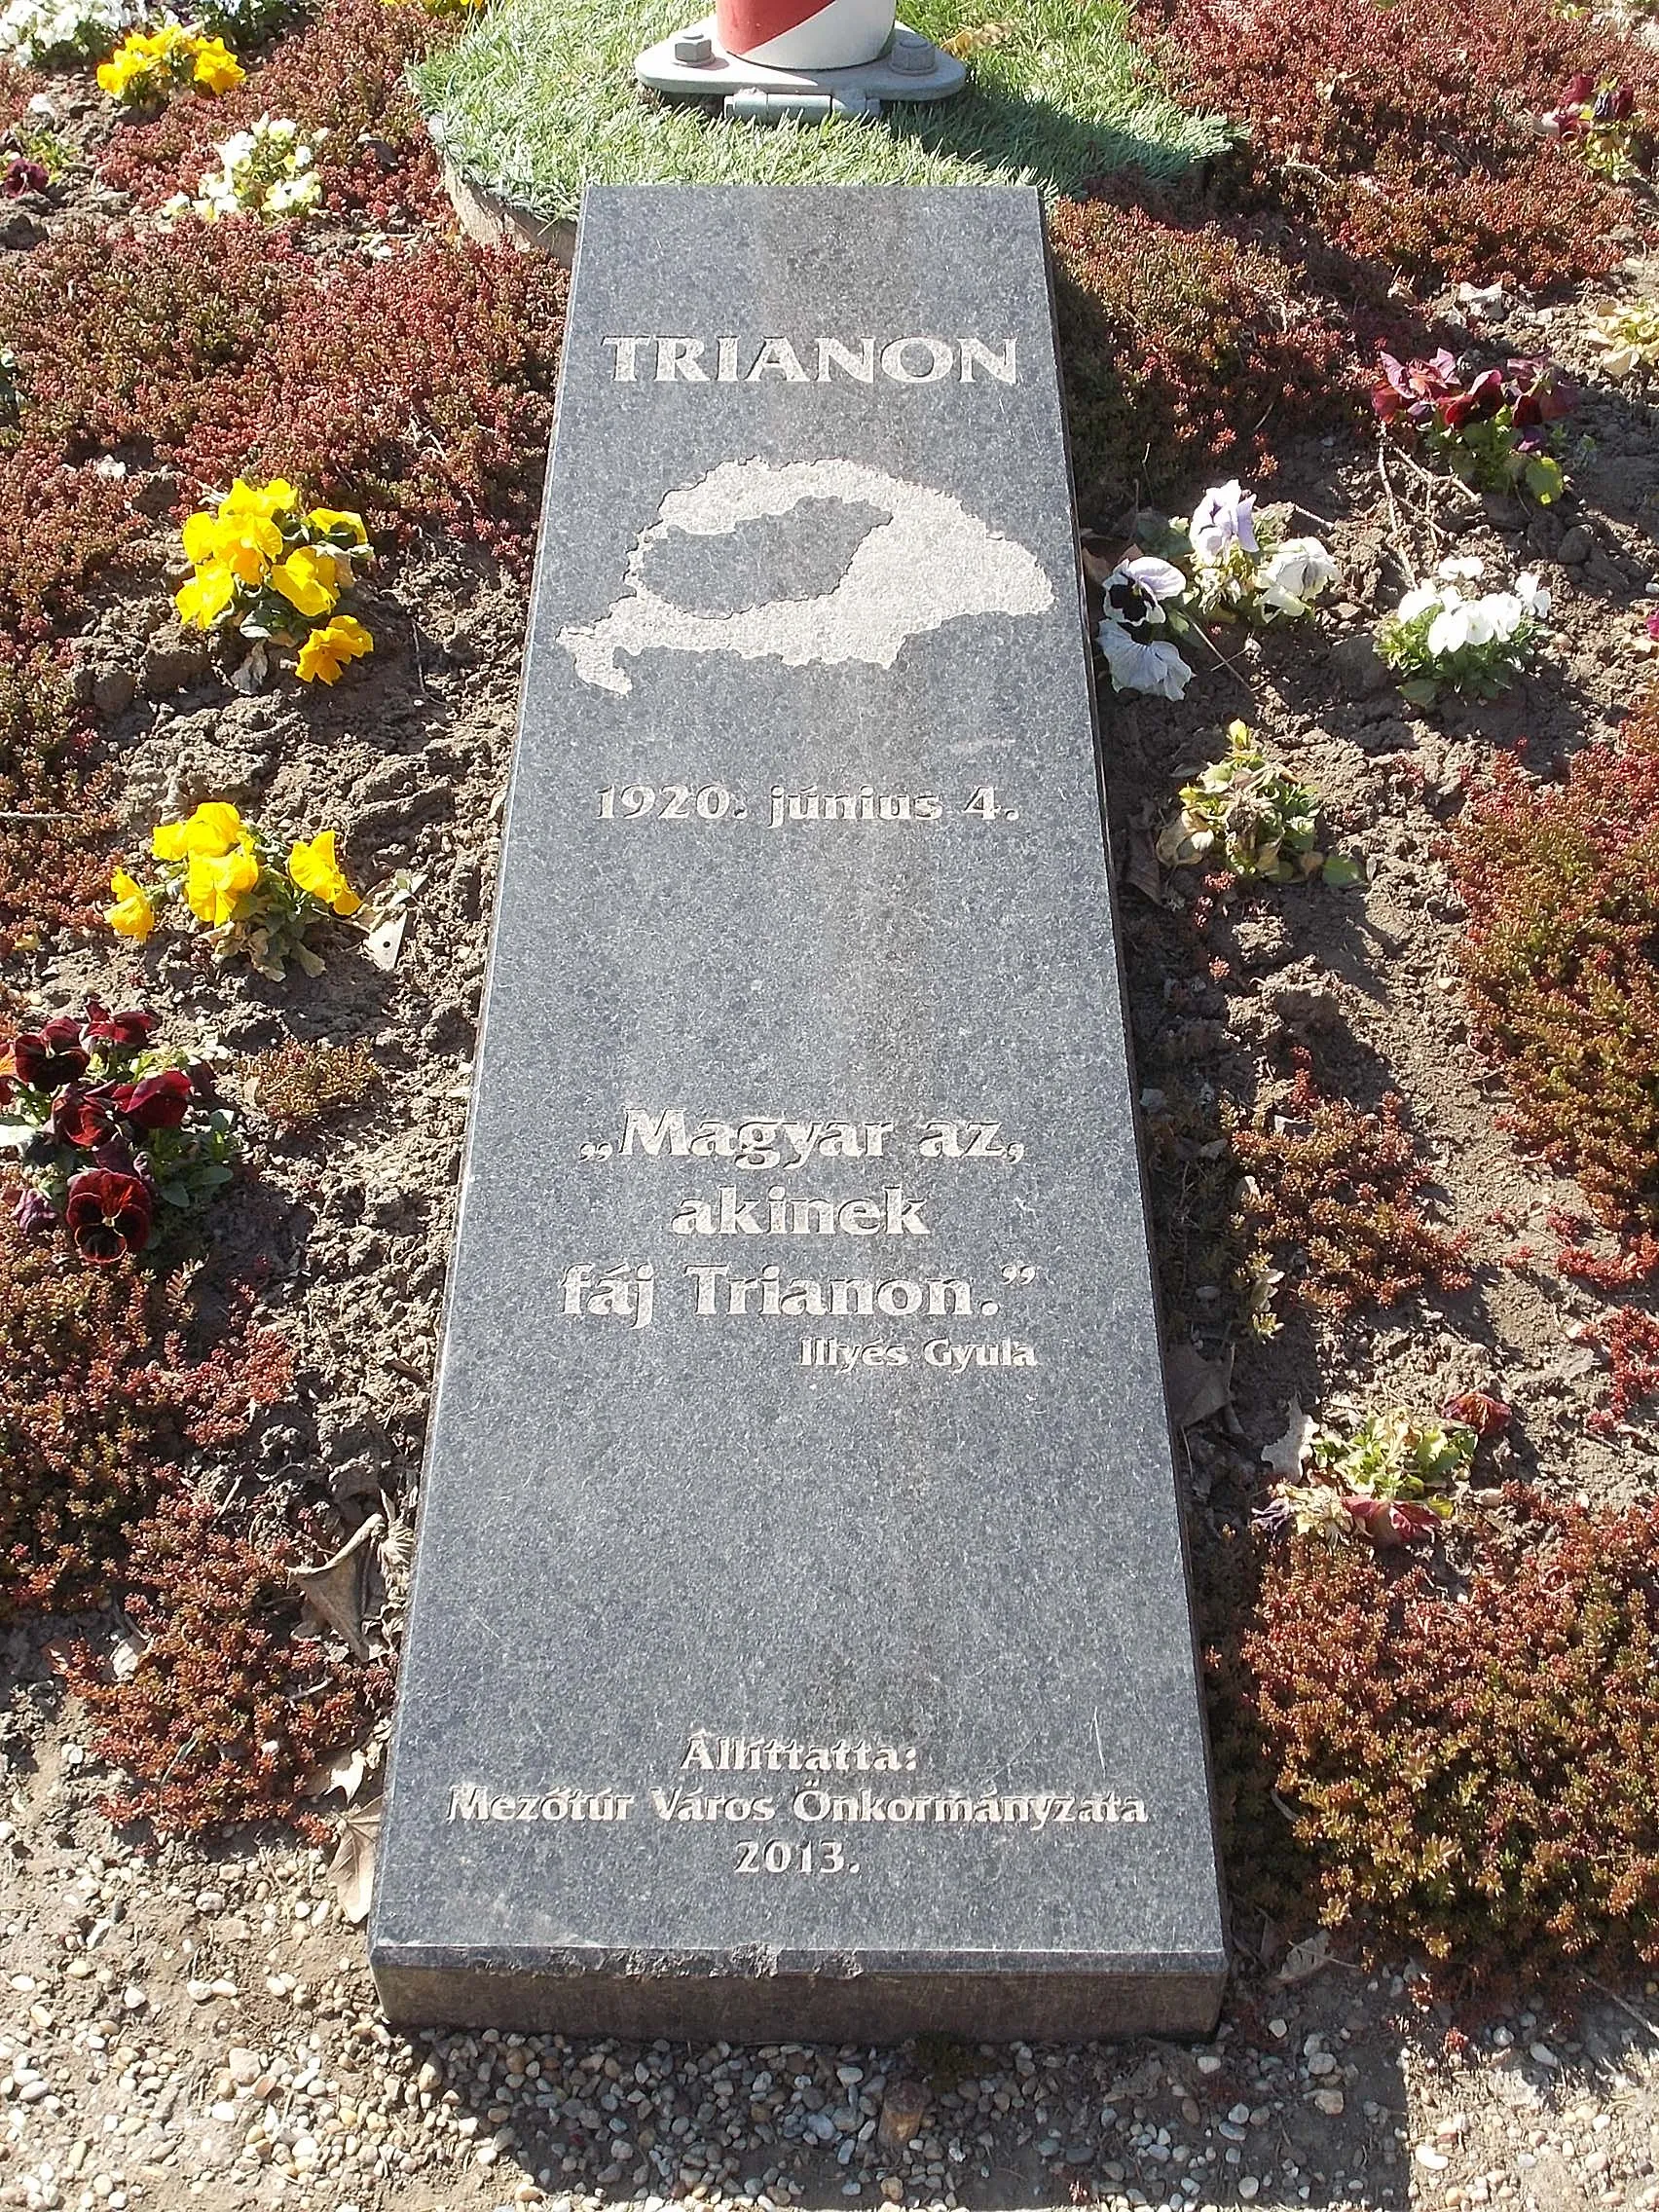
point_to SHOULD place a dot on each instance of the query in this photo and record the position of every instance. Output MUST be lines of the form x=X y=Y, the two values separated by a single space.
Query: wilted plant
x=1249 y=815
x=1391 y=1478
x=1600 y=120
x=1493 y=431
x=1626 y=335
x=1438 y=640
x=105 y=1126
x=267 y=170
x=150 y=65
x=298 y=1083
x=230 y=877
x=269 y=568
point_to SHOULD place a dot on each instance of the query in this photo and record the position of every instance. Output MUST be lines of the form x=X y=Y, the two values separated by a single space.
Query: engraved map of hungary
x=928 y=563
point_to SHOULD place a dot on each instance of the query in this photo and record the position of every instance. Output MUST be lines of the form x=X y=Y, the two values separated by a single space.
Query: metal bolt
x=913 y=55
x=695 y=49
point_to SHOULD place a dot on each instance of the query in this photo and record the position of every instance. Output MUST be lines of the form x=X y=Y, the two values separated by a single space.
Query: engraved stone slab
x=800 y=1640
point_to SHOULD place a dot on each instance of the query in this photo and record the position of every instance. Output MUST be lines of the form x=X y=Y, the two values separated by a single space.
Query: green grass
x=538 y=99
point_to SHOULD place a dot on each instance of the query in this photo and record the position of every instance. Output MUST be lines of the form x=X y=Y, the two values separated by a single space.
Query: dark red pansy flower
x=1537 y=395
x=107 y=1215
x=134 y=1028
x=81 y=1117
x=115 y=1152
x=23 y=175
x=1415 y=386
x=33 y=1212
x=1485 y=394
x=1580 y=88
x=203 y=1082
x=1390 y=392
x=155 y=1101
x=42 y=1062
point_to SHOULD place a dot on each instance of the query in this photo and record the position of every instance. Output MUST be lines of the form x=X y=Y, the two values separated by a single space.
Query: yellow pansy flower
x=278 y=497
x=206 y=596
x=213 y=885
x=212 y=830
x=307 y=581
x=315 y=868
x=329 y=520
x=201 y=538
x=134 y=913
x=326 y=651
x=130 y=60
x=218 y=68
x=248 y=543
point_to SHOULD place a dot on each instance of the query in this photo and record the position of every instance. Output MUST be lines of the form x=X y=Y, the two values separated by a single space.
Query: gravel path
x=198 y=2030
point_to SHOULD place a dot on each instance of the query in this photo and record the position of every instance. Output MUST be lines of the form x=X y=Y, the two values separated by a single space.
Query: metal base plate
x=912 y=69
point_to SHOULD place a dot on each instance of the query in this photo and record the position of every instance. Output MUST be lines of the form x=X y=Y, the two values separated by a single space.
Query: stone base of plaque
x=698 y=1998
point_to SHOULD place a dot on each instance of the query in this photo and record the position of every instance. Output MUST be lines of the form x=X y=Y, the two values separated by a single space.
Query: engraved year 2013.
x=826 y=1857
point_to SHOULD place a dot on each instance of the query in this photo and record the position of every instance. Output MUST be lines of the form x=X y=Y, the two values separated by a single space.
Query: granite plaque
x=800 y=1640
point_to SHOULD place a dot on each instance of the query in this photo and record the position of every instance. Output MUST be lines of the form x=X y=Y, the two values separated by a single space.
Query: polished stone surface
x=800 y=1640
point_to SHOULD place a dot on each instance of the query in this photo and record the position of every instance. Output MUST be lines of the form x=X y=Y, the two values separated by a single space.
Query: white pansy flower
x=1464 y=622
x=1418 y=600
x=1462 y=567
x=262 y=172
x=1225 y=517
x=1154 y=667
x=1137 y=589
x=1294 y=573
x=36 y=33
x=1510 y=613
x=1532 y=595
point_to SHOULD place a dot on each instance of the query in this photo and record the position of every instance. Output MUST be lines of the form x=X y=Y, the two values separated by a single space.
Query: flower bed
x=1391 y=974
